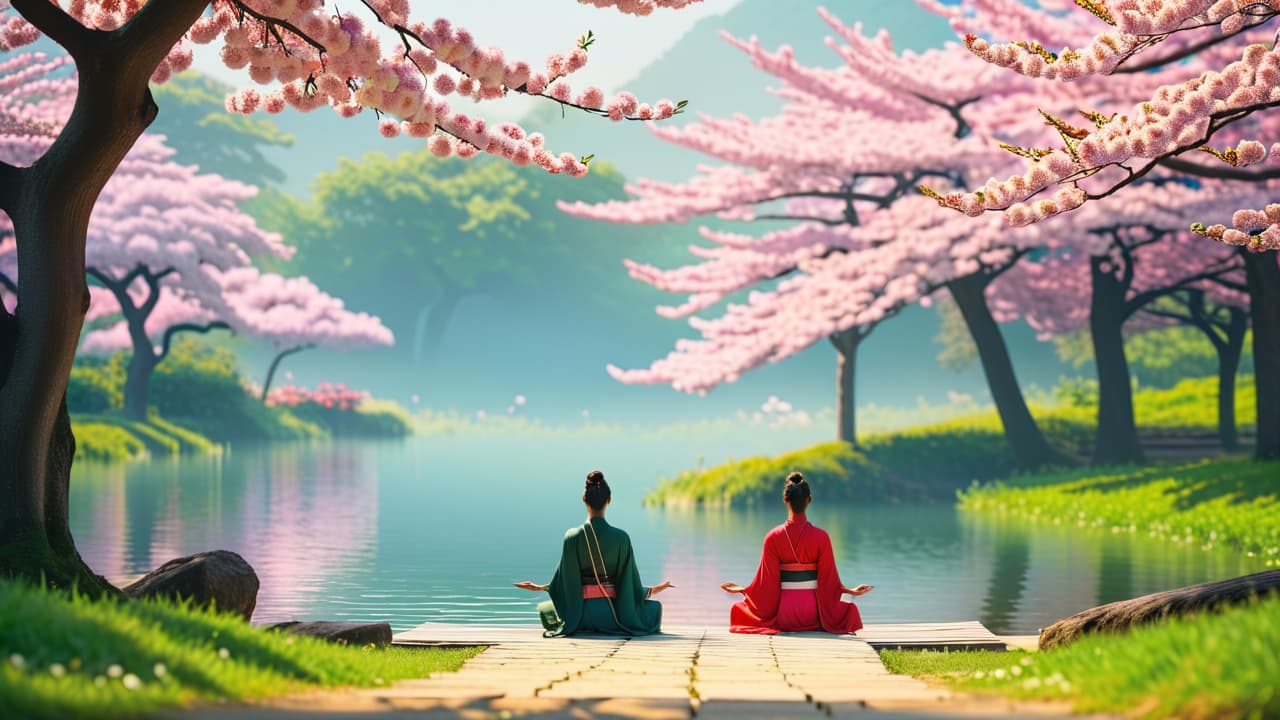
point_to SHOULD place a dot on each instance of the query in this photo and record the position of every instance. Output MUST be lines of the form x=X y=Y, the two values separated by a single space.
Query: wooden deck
x=970 y=635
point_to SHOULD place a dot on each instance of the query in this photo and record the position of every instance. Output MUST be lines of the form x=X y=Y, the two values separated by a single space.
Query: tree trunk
x=432 y=325
x=846 y=344
x=1228 y=365
x=1264 y=310
x=1122 y=615
x=1029 y=447
x=143 y=361
x=275 y=363
x=50 y=203
x=1116 y=441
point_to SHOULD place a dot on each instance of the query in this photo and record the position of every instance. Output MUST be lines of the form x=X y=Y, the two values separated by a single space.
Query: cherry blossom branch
x=189 y=327
x=1219 y=172
x=1185 y=52
x=50 y=19
x=275 y=24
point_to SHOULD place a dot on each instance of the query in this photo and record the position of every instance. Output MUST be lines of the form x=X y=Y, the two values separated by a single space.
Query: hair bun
x=794 y=478
x=595 y=477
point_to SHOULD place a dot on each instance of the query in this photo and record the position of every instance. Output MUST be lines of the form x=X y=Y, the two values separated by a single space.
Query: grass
x=1233 y=503
x=112 y=438
x=933 y=461
x=63 y=656
x=1213 y=665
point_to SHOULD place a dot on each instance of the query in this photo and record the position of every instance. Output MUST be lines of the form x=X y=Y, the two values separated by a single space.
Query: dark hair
x=597 y=492
x=796 y=492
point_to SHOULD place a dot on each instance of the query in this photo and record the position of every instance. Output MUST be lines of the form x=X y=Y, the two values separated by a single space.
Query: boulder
x=219 y=578
x=1121 y=615
x=343 y=633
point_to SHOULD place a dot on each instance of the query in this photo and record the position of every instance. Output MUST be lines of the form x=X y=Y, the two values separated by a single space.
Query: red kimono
x=797 y=587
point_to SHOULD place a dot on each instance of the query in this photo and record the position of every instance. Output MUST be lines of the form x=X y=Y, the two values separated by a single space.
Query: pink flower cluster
x=315 y=57
x=326 y=395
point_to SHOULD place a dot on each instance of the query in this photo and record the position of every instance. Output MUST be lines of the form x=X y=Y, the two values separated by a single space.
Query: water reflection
x=437 y=529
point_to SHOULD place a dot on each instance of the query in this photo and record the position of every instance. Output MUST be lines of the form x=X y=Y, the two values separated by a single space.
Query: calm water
x=436 y=529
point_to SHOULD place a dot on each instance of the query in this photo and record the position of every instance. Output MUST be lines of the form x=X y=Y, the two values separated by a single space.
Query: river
x=437 y=529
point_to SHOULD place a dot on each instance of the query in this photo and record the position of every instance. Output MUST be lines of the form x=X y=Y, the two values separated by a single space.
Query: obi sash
x=591 y=590
x=799 y=576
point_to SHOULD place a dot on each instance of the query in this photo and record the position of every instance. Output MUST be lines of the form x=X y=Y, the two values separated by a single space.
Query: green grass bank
x=932 y=462
x=63 y=656
x=1212 y=665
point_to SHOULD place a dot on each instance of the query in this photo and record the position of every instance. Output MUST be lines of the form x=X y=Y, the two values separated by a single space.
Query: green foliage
x=113 y=438
x=198 y=386
x=369 y=420
x=1235 y=503
x=1159 y=358
x=194 y=118
x=958 y=349
x=1211 y=665
x=72 y=657
x=104 y=440
x=91 y=390
x=450 y=228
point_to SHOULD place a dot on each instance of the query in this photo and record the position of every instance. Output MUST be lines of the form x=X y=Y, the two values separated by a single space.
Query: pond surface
x=436 y=529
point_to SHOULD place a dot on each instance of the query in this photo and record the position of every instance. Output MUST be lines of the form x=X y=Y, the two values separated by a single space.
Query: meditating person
x=797 y=587
x=596 y=588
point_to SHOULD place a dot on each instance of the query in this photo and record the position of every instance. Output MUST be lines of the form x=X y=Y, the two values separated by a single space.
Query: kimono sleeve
x=565 y=587
x=765 y=590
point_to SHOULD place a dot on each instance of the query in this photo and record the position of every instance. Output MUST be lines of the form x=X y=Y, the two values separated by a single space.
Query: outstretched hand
x=860 y=590
x=731 y=587
x=531 y=586
x=660 y=587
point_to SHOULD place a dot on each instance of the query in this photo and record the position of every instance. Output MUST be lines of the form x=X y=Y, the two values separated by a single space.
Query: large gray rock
x=1124 y=614
x=343 y=633
x=219 y=579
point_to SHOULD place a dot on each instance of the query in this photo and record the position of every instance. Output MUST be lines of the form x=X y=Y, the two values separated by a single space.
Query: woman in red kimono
x=797 y=586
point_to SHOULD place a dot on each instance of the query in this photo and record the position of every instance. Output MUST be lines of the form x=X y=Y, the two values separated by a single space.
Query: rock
x=219 y=578
x=1121 y=615
x=343 y=633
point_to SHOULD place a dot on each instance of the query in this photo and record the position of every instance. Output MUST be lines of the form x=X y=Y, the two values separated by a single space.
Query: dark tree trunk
x=846 y=344
x=1029 y=447
x=1228 y=365
x=1116 y=442
x=433 y=324
x=1264 y=313
x=275 y=364
x=142 y=363
x=50 y=204
x=1122 y=615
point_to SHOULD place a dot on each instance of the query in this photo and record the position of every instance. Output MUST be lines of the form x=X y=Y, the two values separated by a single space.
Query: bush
x=198 y=386
x=93 y=390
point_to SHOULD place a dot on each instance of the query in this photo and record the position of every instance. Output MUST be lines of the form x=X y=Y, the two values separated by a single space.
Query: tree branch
x=1186 y=52
x=153 y=30
x=1219 y=172
x=50 y=19
x=806 y=218
x=189 y=327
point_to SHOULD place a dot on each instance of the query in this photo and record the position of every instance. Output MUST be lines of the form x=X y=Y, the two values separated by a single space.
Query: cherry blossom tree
x=1216 y=64
x=309 y=56
x=1115 y=259
x=295 y=315
x=846 y=153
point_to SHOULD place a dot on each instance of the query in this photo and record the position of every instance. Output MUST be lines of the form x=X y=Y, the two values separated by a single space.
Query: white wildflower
x=17 y=661
x=224 y=653
x=114 y=671
x=1025 y=661
x=131 y=682
x=1016 y=670
x=998 y=674
x=99 y=681
x=57 y=670
x=160 y=670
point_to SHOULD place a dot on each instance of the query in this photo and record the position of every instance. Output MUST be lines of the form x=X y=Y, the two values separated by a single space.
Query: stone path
x=703 y=673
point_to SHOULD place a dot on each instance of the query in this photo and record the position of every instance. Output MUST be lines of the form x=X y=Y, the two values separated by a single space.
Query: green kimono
x=567 y=612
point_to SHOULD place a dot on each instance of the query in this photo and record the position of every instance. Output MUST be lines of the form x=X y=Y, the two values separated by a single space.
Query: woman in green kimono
x=596 y=588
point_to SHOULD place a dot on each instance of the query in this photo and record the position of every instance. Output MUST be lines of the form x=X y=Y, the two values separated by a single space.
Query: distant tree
x=198 y=125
